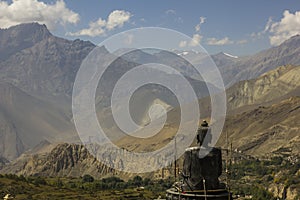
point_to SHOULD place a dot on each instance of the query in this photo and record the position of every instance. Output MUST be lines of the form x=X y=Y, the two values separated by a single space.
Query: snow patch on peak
x=184 y=53
x=229 y=55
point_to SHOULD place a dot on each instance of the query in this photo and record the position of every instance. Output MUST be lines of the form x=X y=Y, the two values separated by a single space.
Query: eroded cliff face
x=268 y=87
x=285 y=192
x=293 y=192
x=75 y=160
x=278 y=190
x=70 y=160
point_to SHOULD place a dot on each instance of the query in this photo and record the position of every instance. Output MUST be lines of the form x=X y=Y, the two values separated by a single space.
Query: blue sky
x=233 y=26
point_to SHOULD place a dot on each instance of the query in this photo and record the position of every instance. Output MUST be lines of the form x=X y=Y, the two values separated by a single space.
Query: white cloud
x=287 y=27
x=24 y=11
x=268 y=25
x=198 y=26
x=196 y=37
x=116 y=18
x=195 y=40
x=219 y=42
x=260 y=34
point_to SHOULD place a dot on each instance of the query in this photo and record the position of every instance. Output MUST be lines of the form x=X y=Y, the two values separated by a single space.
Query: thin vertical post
x=175 y=157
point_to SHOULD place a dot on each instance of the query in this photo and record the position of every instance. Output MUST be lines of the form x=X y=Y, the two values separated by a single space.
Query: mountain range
x=37 y=73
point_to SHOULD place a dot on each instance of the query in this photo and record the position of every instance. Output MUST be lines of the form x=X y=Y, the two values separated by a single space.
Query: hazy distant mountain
x=288 y=53
x=38 y=62
x=26 y=120
x=37 y=71
x=40 y=69
x=235 y=69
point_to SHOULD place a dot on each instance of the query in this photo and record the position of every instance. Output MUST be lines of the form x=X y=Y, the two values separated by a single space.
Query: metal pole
x=227 y=151
x=204 y=187
x=175 y=162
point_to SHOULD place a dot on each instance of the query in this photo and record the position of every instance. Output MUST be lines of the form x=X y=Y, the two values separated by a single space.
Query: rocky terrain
x=258 y=107
x=266 y=130
x=275 y=85
x=70 y=160
x=253 y=66
x=38 y=62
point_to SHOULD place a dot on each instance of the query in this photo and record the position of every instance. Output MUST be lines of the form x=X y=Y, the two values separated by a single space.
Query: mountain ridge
x=42 y=69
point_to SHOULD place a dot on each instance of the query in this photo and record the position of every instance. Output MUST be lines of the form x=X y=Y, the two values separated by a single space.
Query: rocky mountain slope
x=263 y=132
x=70 y=160
x=43 y=67
x=18 y=38
x=271 y=87
x=37 y=72
x=3 y=162
x=260 y=104
x=26 y=120
x=276 y=84
x=253 y=66
x=235 y=69
x=266 y=130
x=38 y=62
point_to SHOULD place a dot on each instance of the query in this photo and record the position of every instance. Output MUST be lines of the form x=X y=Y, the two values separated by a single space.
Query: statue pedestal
x=199 y=170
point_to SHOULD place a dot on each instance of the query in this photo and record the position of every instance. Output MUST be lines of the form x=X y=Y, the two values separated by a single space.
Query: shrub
x=137 y=181
x=87 y=178
x=39 y=181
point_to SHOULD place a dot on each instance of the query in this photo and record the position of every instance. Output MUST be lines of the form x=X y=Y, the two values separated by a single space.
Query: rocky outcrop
x=268 y=87
x=70 y=160
x=280 y=191
x=293 y=192
x=23 y=36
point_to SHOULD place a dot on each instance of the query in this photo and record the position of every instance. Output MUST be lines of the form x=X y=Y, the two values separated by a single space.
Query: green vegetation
x=249 y=177
x=252 y=177
x=81 y=188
